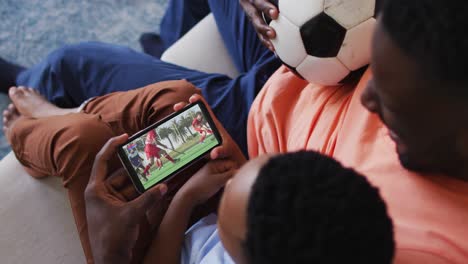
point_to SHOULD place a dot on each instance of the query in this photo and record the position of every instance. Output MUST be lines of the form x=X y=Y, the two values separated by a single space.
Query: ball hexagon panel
x=356 y=49
x=322 y=36
x=322 y=71
x=350 y=13
x=288 y=42
x=300 y=11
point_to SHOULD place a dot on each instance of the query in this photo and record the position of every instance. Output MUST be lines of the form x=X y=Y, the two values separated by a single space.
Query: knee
x=174 y=92
x=182 y=92
x=86 y=133
x=163 y=96
x=71 y=54
x=78 y=143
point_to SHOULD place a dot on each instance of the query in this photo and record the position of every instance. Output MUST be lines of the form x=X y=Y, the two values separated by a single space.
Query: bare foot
x=10 y=116
x=30 y=103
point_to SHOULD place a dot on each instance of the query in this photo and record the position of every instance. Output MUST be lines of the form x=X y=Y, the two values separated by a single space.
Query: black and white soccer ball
x=324 y=41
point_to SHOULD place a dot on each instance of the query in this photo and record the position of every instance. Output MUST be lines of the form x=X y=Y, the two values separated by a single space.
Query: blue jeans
x=74 y=73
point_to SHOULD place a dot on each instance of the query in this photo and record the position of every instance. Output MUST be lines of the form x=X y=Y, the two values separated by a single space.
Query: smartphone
x=166 y=148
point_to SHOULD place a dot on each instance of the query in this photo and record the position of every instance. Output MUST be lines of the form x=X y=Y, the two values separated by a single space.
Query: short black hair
x=307 y=208
x=434 y=34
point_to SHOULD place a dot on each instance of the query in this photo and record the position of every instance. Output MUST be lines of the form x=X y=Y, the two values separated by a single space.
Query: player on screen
x=154 y=152
x=136 y=158
x=200 y=127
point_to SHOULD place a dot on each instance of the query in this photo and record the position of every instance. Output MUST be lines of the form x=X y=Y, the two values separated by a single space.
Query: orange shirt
x=430 y=213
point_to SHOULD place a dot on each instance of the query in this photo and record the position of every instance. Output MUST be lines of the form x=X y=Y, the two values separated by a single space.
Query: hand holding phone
x=166 y=148
x=113 y=222
x=208 y=181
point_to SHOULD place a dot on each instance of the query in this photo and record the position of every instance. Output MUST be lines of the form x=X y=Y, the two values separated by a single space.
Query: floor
x=30 y=29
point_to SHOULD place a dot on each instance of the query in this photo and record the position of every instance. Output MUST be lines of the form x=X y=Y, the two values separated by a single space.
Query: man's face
x=423 y=125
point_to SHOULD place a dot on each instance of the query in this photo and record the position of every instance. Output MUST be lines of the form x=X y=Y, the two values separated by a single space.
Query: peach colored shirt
x=430 y=213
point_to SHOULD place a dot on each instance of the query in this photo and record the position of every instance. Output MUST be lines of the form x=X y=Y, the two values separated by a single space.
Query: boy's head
x=303 y=208
x=420 y=82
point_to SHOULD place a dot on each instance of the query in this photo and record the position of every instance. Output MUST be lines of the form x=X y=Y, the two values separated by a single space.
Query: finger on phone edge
x=218 y=153
x=179 y=106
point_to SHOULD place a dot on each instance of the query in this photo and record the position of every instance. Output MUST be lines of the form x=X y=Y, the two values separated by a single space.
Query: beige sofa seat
x=37 y=225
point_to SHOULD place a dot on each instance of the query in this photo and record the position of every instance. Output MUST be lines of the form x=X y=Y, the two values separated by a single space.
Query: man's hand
x=229 y=149
x=254 y=9
x=207 y=181
x=113 y=224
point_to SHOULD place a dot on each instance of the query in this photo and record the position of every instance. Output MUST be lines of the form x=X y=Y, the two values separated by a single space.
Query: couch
x=37 y=225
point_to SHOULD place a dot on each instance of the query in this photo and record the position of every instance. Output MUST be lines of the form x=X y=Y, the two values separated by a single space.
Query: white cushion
x=37 y=225
x=203 y=49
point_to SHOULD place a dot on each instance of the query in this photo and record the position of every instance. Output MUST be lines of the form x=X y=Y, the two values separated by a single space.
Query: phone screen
x=169 y=146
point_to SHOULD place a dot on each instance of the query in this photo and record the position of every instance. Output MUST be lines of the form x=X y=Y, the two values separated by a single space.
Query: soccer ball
x=324 y=41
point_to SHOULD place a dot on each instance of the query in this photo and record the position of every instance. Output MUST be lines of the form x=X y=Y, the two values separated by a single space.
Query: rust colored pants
x=65 y=146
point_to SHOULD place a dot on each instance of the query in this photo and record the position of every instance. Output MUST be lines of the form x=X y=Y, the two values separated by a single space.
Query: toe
x=16 y=93
x=21 y=90
x=12 y=91
x=12 y=108
x=6 y=113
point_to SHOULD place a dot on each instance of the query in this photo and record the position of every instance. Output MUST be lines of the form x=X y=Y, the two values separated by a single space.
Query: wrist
x=110 y=253
x=186 y=199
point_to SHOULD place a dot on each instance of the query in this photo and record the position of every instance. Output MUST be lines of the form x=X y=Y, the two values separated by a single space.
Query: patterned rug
x=30 y=29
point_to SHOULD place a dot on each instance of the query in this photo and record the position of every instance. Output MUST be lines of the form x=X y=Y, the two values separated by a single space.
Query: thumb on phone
x=99 y=170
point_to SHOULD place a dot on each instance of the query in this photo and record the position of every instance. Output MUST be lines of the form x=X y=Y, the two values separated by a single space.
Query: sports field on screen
x=188 y=156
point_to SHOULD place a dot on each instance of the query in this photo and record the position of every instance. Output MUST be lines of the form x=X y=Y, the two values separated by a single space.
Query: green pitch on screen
x=169 y=167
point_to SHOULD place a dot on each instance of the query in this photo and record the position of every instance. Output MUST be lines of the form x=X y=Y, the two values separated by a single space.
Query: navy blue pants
x=74 y=73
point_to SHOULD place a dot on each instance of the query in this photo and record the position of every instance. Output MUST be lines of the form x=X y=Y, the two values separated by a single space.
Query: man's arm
x=167 y=245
